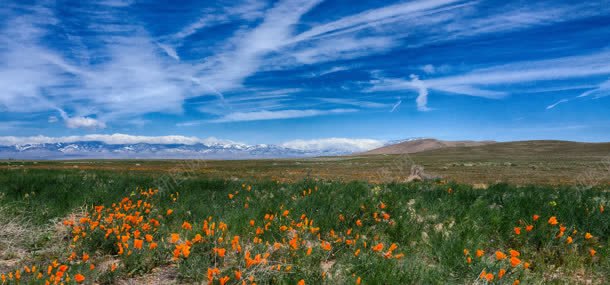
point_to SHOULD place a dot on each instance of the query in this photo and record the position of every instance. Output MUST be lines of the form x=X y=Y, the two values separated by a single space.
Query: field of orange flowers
x=117 y=228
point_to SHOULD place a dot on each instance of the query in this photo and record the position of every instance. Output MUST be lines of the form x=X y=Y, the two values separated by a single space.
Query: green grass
x=431 y=226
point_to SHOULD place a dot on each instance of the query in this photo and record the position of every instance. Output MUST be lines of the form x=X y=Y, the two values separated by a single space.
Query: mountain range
x=102 y=150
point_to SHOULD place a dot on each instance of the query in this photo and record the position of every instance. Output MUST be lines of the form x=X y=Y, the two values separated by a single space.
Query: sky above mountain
x=304 y=71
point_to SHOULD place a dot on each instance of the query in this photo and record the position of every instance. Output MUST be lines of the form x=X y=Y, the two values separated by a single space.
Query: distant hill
x=419 y=145
x=541 y=149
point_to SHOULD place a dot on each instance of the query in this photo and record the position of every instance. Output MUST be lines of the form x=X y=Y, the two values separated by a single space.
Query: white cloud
x=243 y=55
x=395 y=106
x=602 y=90
x=422 y=98
x=275 y=115
x=84 y=122
x=428 y=68
x=371 y=18
x=334 y=144
x=113 y=139
x=556 y=103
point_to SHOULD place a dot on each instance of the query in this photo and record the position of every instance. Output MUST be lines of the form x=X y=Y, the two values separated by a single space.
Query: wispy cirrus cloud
x=481 y=82
x=276 y=115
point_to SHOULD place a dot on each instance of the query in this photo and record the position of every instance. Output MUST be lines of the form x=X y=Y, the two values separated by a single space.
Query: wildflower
x=224 y=280
x=357 y=252
x=500 y=255
x=569 y=240
x=113 y=267
x=517 y=230
x=382 y=205
x=169 y=212
x=301 y=282
x=517 y=282
x=85 y=257
x=63 y=268
x=480 y=252
x=466 y=252
x=359 y=223
x=529 y=228
x=592 y=252
x=601 y=208
x=252 y=223
x=358 y=281
x=588 y=236
x=553 y=221
x=514 y=253
x=285 y=213
x=535 y=217
x=401 y=255
x=91 y=266
x=309 y=249
x=230 y=196
x=197 y=238
x=175 y=238
x=237 y=275
x=526 y=265
x=325 y=245
x=137 y=243
x=152 y=245
x=468 y=260
x=220 y=252
x=187 y=226
x=489 y=277
x=149 y=238
x=501 y=273
x=377 y=247
x=514 y=261
x=79 y=278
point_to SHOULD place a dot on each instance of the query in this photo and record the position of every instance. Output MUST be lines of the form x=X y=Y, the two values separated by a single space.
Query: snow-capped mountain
x=97 y=149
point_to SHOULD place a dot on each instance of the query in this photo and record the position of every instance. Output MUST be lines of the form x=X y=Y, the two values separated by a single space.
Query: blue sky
x=258 y=71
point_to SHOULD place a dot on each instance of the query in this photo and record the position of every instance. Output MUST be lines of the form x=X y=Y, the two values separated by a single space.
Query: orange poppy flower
x=501 y=273
x=514 y=261
x=500 y=255
x=301 y=282
x=553 y=221
x=224 y=280
x=169 y=212
x=137 y=243
x=592 y=252
x=529 y=228
x=489 y=277
x=588 y=236
x=187 y=226
x=377 y=247
x=480 y=252
x=535 y=217
x=569 y=240
x=79 y=278
x=514 y=253
x=325 y=245
x=517 y=230
x=152 y=245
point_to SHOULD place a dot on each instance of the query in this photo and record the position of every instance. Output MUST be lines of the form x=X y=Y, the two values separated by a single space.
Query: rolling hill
x=420 y=145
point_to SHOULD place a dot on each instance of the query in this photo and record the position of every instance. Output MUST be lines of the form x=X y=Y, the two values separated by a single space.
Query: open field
x=533 y=162
x=108 y=227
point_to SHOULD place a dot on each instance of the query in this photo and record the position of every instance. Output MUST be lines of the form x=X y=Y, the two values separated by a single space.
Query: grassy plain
x=314 y=230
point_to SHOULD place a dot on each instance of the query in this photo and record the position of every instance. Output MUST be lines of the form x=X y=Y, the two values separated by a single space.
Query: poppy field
x=99 y=227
